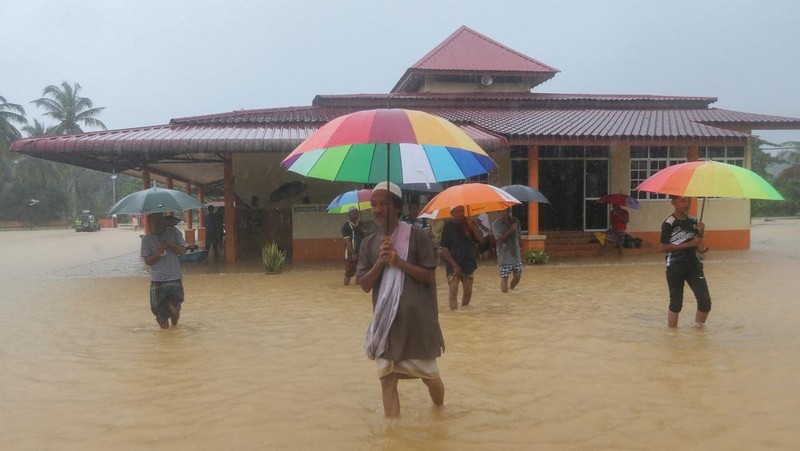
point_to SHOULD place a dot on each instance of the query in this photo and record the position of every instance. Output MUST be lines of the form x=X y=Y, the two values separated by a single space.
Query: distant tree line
x=38 y=191
x=787 y=181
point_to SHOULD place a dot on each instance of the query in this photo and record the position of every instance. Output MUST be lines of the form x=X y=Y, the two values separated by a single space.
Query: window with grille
x=731 y=154
x=647 y=160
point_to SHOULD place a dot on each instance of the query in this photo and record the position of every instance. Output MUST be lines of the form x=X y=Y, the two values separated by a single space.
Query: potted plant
x=273 y=258
x=537 y=257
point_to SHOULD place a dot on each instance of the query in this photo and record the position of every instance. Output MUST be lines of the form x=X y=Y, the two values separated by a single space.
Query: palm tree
x=37 y=129
x=64 y=104
x=10 y=113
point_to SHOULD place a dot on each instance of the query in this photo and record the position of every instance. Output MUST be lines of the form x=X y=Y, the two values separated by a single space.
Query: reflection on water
x=577 y=357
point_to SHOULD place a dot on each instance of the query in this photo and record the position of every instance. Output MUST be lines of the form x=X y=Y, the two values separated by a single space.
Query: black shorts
x=681 y=273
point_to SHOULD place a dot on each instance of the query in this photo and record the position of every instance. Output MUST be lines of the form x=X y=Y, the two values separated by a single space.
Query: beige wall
x=501 y=174
x=619 y=172
x=720 y=214
x=260 y=174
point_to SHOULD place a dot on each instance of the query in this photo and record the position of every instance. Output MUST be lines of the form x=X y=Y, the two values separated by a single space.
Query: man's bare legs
x=515 y=281
x=467 y=295
x=452 y=283
x=504 y=285
x=391 y=398
x=436 y=390
x=174 y=314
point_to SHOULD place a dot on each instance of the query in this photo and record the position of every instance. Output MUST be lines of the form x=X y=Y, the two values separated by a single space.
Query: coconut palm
x=10 y=114
x=37 y=129
x=64 y=104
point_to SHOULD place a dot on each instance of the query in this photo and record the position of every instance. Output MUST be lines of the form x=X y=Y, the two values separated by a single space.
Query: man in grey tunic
x=398 y=264
x=507 y=231
x=160 y=250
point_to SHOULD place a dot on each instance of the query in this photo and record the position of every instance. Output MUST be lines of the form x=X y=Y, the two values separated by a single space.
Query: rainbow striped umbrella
x=359 y=198
x=709 y=179
x=405 y=146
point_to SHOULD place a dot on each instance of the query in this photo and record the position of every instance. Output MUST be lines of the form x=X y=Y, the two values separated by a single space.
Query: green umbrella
x=155 y=200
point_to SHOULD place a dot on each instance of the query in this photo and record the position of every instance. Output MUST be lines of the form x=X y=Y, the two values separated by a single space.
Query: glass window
x=647 y=160
x=519 y=152
x=732 y=154
x=597 y=151
x=548 y=152
x=572 y=152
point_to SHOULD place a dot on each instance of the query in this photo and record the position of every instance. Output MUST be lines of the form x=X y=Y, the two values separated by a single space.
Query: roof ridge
x=465 y=29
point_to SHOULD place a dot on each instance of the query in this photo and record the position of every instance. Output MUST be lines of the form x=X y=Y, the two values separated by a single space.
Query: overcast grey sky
x=148 y=61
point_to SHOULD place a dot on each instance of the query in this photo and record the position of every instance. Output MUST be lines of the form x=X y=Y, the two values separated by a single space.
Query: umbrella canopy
x=287 y=190
x=423 y=187
x=709 y=179
x=623 y=200
x=524 y=193
x=155 y=200
x=402 y=146
x=476 y=198
x=359 y=198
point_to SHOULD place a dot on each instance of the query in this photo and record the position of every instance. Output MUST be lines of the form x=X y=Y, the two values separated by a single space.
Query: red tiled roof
x=282 y=129
x=200 y=140
x=515 y=100
x=467 y=51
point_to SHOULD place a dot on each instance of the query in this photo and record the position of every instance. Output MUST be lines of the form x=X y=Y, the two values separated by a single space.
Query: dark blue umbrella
x=155 y=200
x=525 y=193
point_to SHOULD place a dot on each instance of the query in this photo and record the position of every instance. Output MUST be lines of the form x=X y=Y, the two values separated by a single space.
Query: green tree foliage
x=65 y=104
x=31 y=203
x=787 y=182
x=10 y=114
x=38 y=190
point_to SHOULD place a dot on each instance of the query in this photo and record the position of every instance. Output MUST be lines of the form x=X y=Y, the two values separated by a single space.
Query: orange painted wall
x=715 y=239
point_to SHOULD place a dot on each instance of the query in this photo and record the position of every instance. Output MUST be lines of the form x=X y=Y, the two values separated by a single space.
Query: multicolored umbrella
x=709 y=179
x=476 y=198
x=524 y=193
x=403 y=146
x=155 y=200
x=359 y=198
x=623 y=200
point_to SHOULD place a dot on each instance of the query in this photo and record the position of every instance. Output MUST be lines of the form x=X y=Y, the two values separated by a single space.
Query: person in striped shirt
x=682 y=239
x=160 y=251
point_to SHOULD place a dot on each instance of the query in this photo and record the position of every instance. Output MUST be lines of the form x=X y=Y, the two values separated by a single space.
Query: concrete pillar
x=189 y=230
x=230 y=212
x=533 y=182
x=145 y=185
x=201 y=228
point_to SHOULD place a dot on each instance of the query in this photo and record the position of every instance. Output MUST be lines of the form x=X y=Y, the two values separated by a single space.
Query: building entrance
x=573 y=187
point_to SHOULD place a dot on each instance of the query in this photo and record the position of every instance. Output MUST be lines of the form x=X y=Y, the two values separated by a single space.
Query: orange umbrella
x=476 y=198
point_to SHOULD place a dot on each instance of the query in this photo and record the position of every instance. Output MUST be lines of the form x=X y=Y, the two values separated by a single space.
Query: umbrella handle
x=702 y=209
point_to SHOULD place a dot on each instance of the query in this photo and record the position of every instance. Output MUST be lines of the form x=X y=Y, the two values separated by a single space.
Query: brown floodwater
x=578 y=357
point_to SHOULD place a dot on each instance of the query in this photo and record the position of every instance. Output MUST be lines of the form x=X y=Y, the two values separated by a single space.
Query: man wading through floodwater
x=399 y=265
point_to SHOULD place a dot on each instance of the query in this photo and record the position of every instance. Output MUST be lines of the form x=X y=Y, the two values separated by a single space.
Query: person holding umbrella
x=619 y=218
x=398 y=265
x=682 y=240
x=460 y=238
x=353 y=232
x=160 y=250
x=507 y=231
